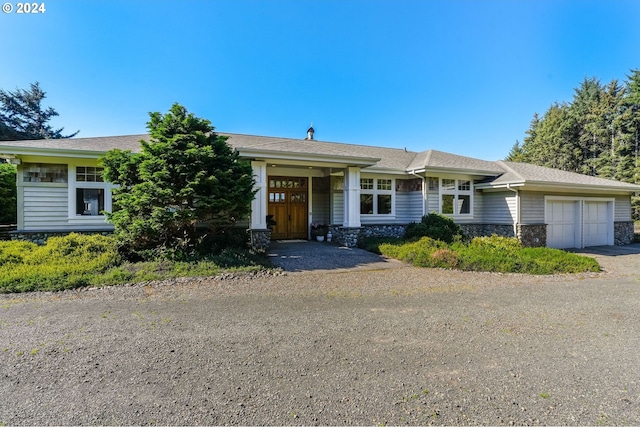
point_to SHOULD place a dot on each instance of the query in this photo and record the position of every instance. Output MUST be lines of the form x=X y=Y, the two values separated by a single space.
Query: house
x=354 y=190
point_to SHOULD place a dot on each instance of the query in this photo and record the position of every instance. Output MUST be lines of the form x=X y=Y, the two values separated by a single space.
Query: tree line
x=596 y=134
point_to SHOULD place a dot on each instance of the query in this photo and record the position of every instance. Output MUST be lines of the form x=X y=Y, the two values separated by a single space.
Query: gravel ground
x=347 y=346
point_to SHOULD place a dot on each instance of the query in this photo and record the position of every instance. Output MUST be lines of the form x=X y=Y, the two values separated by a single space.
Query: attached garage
x=578 y=222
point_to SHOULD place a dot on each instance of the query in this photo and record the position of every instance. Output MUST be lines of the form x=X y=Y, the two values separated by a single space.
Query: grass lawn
x=497 y=254
x=92 y=260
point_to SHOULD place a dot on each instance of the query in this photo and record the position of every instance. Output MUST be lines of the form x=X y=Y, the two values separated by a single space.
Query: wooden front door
x=289 y=207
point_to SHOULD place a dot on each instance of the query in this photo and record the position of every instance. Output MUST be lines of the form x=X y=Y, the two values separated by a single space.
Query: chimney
x=310 y=132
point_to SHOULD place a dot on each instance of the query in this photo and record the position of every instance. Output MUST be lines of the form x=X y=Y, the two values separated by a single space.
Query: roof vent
x=310 y=132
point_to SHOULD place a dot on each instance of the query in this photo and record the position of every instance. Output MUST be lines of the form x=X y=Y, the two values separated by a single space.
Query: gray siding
x=321 y=208
x=433 y=201
x=408 y=207
x=478 y=206
x=531 y=207
x=622 y=208
x=337 y=207
x=498 y=208
x=46 y=208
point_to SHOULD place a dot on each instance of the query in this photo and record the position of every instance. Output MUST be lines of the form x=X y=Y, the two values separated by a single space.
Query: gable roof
x=381 y=158
x=439 y=160
x=520 y=174
x=499 y=174
x=97 y=145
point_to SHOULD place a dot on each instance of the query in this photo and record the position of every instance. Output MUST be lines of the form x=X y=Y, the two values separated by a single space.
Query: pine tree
x=185 y=180
x=23 y=117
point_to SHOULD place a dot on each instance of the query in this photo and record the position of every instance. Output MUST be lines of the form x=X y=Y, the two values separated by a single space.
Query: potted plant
x=318 y=231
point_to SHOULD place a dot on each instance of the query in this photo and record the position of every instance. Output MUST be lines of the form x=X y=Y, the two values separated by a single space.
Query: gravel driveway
x=367 y=346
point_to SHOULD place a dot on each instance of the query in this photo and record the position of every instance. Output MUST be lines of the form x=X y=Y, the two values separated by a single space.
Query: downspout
x=424 y=191
x=517 y=220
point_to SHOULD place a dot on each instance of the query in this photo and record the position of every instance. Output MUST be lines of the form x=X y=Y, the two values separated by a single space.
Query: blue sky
x=459 y=76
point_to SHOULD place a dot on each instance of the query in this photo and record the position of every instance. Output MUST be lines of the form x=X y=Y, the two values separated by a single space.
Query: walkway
x=300 y=255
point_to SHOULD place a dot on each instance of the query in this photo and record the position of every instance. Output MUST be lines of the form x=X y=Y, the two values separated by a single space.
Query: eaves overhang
x=454 y=171
x=555 y=186
x=54 y=152
x=315 y=158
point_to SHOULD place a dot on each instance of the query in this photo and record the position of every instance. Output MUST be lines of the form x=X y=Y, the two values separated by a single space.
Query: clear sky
x=459 y=76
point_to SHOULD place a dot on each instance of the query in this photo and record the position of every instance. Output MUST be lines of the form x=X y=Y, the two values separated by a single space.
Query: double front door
x=288 y=206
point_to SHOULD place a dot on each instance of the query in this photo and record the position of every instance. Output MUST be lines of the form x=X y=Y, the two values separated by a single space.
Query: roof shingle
x=499 y=173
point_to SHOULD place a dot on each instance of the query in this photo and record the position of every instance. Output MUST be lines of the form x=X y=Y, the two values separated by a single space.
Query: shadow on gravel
x=322 y=256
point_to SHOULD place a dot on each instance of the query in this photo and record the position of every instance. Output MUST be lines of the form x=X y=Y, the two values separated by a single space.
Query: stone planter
x=320 y=238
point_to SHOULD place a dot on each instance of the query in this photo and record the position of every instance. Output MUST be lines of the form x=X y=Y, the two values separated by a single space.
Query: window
x=366 y=184
x=89 y=201
x=366 y=204
x=384 y=184
x=89 y=195
x=89 y=174
x=384 y=204
x=456 y=197
x=376 y=196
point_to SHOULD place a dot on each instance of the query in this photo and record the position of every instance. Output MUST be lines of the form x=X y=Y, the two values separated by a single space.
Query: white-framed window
x=456 y=197
x=376 y=196
x=89 y=195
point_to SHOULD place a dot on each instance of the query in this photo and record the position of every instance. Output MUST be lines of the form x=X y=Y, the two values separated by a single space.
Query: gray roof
x=384 y=158
x=96 y=144
x=525 y=173
x=434 y=159
x=498 y=173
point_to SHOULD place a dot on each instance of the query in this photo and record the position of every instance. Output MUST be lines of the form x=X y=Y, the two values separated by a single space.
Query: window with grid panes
x=376 y=196
x=455 y=196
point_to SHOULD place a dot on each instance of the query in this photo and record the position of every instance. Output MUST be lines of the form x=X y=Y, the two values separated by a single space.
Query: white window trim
x=74 y=185
x=456 y=193
x=375 y=192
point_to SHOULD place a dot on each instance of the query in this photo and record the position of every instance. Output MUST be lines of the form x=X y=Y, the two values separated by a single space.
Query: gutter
x=517 y=219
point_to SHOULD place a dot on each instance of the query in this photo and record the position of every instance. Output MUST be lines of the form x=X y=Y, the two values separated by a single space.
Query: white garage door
x=596 y=224
x=562 y=218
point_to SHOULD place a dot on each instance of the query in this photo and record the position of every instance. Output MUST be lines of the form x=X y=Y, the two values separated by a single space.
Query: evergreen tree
x=186 y=179
x=23 y=117
x=597 y=133
x=8 y=193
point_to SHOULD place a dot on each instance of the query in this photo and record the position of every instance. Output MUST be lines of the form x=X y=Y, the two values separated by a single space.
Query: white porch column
x=352 y=197
x=259 y=203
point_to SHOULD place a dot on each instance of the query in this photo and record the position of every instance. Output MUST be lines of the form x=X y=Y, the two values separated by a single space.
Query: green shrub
x=62 y=263
x=372 y=244
x=496 y=254
x=414 y=252
x=14 y=251
x=93 y=260
x=445 y=258
x=495 y=242
x=436 y=226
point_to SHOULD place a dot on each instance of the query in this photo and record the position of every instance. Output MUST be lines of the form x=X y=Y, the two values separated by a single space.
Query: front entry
x=289 y=207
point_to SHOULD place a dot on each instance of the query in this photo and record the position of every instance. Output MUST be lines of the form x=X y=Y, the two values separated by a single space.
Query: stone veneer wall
x=349 y=236
x=478 y=230
x=345 y=236
x=41 y=237
x=532 y=235
x=260 y=240
x=623 y=233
